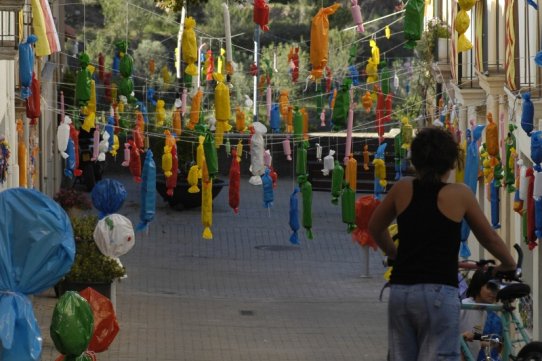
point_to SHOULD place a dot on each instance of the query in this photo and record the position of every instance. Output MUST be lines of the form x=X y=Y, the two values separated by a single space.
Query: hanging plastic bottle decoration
x=239 y=149
x=355 y=9
x=267 y=183
x=286 y=147
x=222 y=108
x=380 y=181
x=135 y=161
x=26 y=65
x=284 y=104
x=267 y=158
x=521 y=192
x=160 y=113
x=301 y=160
x=320 y=40
x=240 y=120
x=261 y=14
x=527 y=113
x=413 y=23
x=388 y=108
x=257 y=167
x=227 y=31
x=63 y=135
x=329 y=163
x=126 y=86
x=365 y=207
x=69 y=169
x=189 y=48
x=337 y=180
x=235 y=180
x=293 y=60
x=207 y=208
x=492 y=136
x=148 y=192
x=371 y=69
x=367 y=102
x=348 y=207
x=82 y=81
x=380 y=114
x=306 y=192
x=274 y=121
x=294 y=217
x=318 y=152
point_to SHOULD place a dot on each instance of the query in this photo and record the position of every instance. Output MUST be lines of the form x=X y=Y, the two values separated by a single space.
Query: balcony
x=9 y=28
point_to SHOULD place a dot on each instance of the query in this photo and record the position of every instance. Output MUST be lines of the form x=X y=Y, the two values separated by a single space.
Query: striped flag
x=44 y=28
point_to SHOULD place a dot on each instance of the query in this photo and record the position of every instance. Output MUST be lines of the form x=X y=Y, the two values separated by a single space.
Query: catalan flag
x=44 y=28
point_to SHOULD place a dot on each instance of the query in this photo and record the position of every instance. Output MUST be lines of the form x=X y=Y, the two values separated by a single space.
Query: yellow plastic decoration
x=193 y=179
x=222 y=109
x=22 y=159
x=406 y=133
x=290 y=120
x=189 y=46
x=91 y=104
x=380 y=171
x=115 y=146
x=120 y=107
x=167 y=161
x=194 y=110
x=462 y=22
x=160 y=113
x=393 y=230
x=387 y=32
x=240 y=120
x=200 y=156
x=366 y=155
x=487 y=170
x=466 y=4
x=239 y=150
x=305 y=116
x=367 y=102
x=89 y=122
x=166 y=76
x=177 y=122
x=220 y=61
x=372 y=71
x=351 y=173
x=375 y=51
x=492 y=136
x=320 y=40
x=460 y=170
x=114 y=92
x=207 y=209
x=283 y=104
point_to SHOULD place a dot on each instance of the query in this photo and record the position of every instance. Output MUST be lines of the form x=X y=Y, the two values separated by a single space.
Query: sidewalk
x=247 y=294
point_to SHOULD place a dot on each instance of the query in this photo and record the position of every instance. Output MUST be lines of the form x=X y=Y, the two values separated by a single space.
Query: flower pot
x=65 y=285
x=443 y=46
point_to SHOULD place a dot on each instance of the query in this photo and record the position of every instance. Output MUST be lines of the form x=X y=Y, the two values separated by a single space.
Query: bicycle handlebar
x=483 y=264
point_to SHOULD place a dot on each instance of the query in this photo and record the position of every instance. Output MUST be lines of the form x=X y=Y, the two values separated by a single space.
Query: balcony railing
x=9 y=28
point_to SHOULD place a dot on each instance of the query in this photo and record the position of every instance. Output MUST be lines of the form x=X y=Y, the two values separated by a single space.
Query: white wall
x=7 y=119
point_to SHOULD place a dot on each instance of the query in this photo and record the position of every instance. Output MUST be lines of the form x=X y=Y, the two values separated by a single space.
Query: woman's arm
x=382 y=217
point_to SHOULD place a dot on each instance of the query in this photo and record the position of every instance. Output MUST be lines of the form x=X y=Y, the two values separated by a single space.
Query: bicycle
x=509 y=291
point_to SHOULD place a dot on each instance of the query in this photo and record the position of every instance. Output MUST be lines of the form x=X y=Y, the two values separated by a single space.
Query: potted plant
x=440 y=34
x=91 y=268
x=74 y=202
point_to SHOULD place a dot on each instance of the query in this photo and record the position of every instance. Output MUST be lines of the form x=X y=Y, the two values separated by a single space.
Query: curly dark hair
x=478 y=280
x=434 y=151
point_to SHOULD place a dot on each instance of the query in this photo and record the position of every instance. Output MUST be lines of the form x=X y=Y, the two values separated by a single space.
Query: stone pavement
x=247 y=294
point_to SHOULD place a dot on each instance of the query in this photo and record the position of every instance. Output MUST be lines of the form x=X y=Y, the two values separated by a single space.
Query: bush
x=71 y=198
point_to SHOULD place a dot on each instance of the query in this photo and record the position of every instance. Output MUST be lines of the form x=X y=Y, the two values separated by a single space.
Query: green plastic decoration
x=301 y=159
x=337 y=178
x=306 y=191
x=211 y=158
x=509 y=176
x=126 y=87
x=72 y=325
x=385 y=77
x=298 y=125
x=83 y=81
x=319 y=99
x=348 y=207
x=413 y=27
x=342 y=105
x=126 y=66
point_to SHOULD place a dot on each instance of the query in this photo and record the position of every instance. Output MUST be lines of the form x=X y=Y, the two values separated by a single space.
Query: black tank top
x=428 y=240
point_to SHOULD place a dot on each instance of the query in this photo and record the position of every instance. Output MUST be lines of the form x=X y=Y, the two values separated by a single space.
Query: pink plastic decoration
x=126 y=161
x=287 y=149
x=349 y=126
x=356 y=15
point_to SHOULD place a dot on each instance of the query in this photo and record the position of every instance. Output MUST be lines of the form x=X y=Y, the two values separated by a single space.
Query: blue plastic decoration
x=380 y=154
x=143 y=109
x=150 y=96
x=110 y=129
x=26 y=65
x=70 y=161
x=533 y=4
x=267 y=183
x=472 y=165
x=274 y=122
x=294 y=216
x=495 y=204
x=527 y=113
x=108 y=196
x=354 y=75
x=36 y=250
x=536 y=147
x=148 y=192
x=116 y=63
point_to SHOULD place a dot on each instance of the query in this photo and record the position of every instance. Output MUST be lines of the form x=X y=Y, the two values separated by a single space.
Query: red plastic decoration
x=387 y=108
x=106 y=326
x=235 y=179
x=261 y=14
x=365 y=207
x=101 y=67
x=74 y=135
x=33 y=107
x=293 y=59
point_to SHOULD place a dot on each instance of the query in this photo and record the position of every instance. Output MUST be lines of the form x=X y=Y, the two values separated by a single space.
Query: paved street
x=247 y=294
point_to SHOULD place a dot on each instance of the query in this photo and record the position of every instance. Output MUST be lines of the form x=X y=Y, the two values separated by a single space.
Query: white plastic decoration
x=257 y=167
x=126 y=161
x=104 y=147
x=114 y=235
x=523 y=184
x=267 y=158
x=227 y=30
x=269 y=101
x=395 y=82
x=184 y=99
x=63 y=135
x=318 y=152
x=329 y=163
x=96 y=143
x=537 y=191
x=248 y=102
x=212 y=123
x=287 y=148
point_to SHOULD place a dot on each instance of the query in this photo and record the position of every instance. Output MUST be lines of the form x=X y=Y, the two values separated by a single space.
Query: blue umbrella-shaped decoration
x=148 y=192
x=36 y=250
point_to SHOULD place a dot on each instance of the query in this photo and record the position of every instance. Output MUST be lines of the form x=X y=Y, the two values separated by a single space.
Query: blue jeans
x=423 y=323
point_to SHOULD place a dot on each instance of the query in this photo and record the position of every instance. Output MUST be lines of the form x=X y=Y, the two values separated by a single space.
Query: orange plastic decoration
x=22 y=159
x=320 y=40
x=283 y=104
x=195 y=109
x=366 y=155
x=367 y=102
x=351 y=173
x=240 y=120
x=305 y=116
x=365 y=207
x=492 y=136
x=177 y=122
